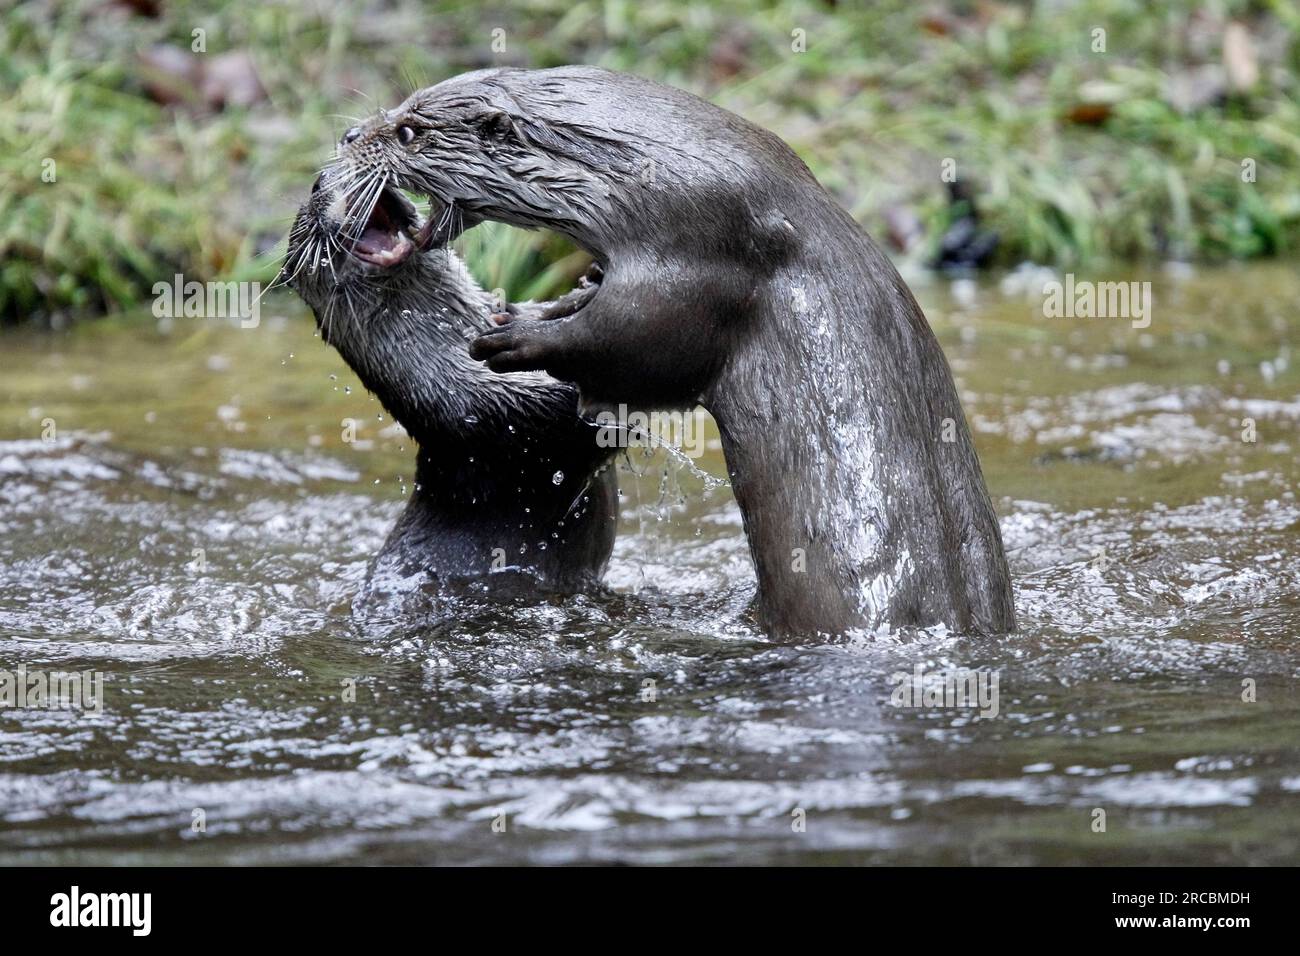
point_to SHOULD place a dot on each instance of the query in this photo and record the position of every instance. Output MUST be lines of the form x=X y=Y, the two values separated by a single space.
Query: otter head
x=496 y=149
x=355 y=237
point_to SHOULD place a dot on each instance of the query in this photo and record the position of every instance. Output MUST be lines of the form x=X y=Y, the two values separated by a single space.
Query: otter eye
x=405 y=134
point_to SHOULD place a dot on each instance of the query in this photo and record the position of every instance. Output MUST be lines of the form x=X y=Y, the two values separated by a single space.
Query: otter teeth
x=384 y=240
x=423 y=237
x=397 y=253
x=392 y=249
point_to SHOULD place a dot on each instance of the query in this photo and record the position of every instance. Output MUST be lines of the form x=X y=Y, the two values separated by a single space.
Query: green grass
x=880 y=97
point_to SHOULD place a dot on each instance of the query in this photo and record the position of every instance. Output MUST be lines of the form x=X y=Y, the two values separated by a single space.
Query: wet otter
x=731 y=279
x=508 y=478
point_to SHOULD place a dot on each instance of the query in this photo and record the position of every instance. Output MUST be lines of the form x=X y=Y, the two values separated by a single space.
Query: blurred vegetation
x=1072 y=155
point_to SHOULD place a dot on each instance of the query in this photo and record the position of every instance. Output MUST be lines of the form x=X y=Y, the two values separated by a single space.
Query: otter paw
x=514 y=347
x=500 y=318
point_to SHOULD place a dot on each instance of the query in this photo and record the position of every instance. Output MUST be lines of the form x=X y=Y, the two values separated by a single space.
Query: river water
x=179 y=512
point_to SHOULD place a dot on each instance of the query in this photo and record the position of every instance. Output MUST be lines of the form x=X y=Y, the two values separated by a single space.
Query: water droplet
x=557 y=478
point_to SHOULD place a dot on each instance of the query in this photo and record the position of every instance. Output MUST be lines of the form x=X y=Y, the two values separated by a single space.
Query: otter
x=731 y=279
x=511 y=491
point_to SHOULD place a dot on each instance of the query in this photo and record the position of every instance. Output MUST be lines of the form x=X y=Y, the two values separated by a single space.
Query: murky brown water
x=1155 y=556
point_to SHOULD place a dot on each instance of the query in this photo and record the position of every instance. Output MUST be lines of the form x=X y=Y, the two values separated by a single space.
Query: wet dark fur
x=490 y=446
x=732 y=279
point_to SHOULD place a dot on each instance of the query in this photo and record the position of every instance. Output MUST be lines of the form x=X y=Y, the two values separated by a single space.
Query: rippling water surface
x=1157 y=582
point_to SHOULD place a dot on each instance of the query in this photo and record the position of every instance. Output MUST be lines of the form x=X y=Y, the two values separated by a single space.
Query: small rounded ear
x=496 y=125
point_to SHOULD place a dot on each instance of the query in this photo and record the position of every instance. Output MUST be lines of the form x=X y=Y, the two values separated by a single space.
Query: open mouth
x=392 y=232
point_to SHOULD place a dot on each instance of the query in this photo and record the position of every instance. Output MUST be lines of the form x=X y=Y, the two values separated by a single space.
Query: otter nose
x=351 y=135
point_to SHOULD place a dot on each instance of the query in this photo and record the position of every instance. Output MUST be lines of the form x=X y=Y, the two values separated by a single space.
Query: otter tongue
x=381 y=242
x=383 y=248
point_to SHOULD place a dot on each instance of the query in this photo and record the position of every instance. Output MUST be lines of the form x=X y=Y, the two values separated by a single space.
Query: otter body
x=510 y=488
x=731 y=279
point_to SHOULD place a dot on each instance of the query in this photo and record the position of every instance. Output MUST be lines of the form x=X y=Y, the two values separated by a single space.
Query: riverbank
x=130 y=154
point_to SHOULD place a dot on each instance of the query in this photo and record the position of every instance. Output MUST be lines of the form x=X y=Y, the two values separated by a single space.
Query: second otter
x=734 y=280
x=511 y=489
